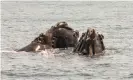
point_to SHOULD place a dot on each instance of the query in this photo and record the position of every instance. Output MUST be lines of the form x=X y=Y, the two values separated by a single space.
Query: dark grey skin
x=63 y=24
x=69 y=35
x=36 y=45
x=32 y=47
x=59 y=36
x=92 y=45
x=65 y=37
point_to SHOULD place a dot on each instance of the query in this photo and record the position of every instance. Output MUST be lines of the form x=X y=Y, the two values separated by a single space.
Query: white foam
x=47 y=53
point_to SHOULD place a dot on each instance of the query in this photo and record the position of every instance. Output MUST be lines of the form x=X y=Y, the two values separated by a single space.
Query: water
x=23 y=21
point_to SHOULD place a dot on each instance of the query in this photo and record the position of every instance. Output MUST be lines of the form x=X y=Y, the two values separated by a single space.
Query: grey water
x=22 y=21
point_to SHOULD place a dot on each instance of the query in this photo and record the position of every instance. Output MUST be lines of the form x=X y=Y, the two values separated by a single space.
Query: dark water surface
x=23 y=21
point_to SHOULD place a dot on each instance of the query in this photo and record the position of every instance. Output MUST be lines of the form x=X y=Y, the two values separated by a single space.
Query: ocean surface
x=22 y=21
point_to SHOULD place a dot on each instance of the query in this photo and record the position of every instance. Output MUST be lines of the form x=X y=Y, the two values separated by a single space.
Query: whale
x=90 y=43
x=61 y=36
x=36 y=45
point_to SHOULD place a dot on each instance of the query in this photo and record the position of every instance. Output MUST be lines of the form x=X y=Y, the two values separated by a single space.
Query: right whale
x=36 y=45
x=61 y=36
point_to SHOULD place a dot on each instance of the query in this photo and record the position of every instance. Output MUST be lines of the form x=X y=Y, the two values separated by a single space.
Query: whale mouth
x=60 y=42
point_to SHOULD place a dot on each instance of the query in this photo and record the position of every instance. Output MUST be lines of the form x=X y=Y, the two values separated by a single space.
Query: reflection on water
x=23 y=21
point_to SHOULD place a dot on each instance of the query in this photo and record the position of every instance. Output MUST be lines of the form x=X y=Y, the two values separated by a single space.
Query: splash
x=48 y=53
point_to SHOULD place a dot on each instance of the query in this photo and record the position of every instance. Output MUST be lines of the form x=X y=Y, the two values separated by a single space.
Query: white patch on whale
x=37 y=48
x=60 y=24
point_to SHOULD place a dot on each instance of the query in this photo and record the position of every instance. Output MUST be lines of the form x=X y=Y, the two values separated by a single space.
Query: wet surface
x=23 y=21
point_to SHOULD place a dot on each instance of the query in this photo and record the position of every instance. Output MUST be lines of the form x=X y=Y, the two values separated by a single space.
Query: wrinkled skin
x=59 y=36
x=98 y=39
x=56 y=36
x=99 y=45
x=93 y=44
x=63 y=24
x=70 y=35
x=36 y=45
